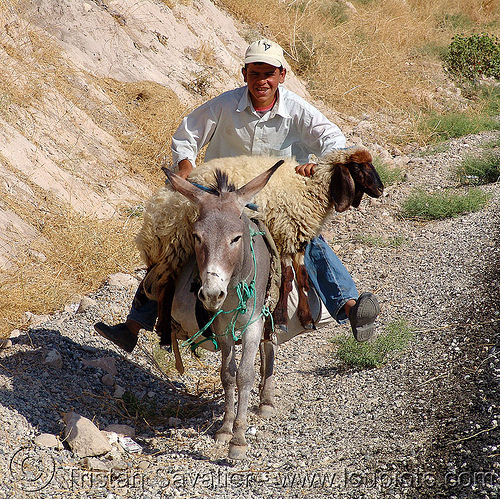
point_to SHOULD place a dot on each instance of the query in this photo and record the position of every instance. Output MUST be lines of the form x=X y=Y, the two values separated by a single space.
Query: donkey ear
x=342 y=188
x=248 y=191
x=187 y=189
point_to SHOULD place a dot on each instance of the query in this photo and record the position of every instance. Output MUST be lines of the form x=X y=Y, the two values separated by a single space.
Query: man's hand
x=306 y=170
x=185 y=168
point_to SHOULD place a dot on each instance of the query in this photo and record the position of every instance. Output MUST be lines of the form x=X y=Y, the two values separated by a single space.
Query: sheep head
x=353 y=175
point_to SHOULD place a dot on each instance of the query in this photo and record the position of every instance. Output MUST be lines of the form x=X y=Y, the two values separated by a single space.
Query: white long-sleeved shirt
x=231 y=127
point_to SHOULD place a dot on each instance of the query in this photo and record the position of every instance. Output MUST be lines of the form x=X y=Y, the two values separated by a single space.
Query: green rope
x=244 y=292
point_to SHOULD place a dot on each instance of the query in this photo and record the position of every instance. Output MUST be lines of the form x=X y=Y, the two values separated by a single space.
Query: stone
x=85 y=304
x=35 y=320
x=83 y=436
x=53 y=359
x=48 y=440
x=121 y=429
x=5 y=343
x=121 y=280
x=108 y=380
x=107 y=364
x=94 y=464
x=119 y=392
x=15 y=333
x=174 y=421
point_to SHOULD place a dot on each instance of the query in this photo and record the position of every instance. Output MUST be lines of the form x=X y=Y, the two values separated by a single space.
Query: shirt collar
x=279 y=107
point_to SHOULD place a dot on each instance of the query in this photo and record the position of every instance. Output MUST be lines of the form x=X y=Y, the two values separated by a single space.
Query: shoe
x=120 y=335
x=362 y=316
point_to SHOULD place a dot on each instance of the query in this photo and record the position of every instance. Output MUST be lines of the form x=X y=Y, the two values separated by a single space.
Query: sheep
x=294 y=208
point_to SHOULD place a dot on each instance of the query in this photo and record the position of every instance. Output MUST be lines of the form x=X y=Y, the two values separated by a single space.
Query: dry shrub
x=79 y=253
x=371 y=59
x=156 y=112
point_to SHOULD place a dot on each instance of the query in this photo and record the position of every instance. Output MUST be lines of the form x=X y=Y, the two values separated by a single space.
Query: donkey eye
x=236 y=239
x=196 y=238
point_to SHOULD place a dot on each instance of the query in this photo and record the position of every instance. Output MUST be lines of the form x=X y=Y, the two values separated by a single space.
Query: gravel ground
x=423 y=425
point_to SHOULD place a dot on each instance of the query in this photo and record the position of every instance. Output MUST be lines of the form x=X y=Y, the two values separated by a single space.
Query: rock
x=111 y=436
x=35 y=320
x=92 y=463
x=85 y=304
x=5 y=343
x=48 y=440
x=108 y=380
x=121 y=280
x=121 y=429
x=15 y=333
x=83 y=437
x=119 y=465
x=107 y=364
x=174 y=421
x=119 y=392
x=53 y=359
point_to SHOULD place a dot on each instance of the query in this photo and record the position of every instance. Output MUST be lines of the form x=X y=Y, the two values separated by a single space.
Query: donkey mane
x=221 y=183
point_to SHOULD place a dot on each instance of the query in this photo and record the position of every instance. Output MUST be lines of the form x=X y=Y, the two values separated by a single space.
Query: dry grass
x=72 y=256
x=383 y=57
x=156 y=112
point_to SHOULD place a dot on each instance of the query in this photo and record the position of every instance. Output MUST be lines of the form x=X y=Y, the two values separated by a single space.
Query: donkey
x=233 y=261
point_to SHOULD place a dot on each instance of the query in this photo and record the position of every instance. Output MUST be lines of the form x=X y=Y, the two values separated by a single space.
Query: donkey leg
x=280 y=313
x=268 y=350
x=303 y=309
x=245 y=378
x=228 y=378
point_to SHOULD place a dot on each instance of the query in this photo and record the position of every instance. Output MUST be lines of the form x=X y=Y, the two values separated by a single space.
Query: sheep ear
x=358 y=195
x=249 y=190
x=342 y=188
x=187 y=189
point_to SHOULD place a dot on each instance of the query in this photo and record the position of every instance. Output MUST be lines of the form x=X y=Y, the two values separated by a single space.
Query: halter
x=244 y=292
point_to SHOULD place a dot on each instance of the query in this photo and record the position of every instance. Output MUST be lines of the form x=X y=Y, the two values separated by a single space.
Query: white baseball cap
x=265 y=51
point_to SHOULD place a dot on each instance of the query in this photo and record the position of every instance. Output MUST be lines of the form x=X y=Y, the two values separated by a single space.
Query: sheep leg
x=303 y=309
x=164 y=322
x=280 y=313
x=268 y=348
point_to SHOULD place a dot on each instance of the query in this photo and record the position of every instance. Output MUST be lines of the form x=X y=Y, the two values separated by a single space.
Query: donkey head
x=220 y=232
x=352 y=178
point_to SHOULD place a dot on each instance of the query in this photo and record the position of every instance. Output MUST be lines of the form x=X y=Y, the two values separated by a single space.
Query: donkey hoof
x=266 y=411
x=237 y=451
x=309 y=326
x=222 y=437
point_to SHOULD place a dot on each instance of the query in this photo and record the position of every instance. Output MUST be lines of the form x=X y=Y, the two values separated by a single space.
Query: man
x=263 y=118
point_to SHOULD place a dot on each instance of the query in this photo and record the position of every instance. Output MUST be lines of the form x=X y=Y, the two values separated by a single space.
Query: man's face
x=262 y=81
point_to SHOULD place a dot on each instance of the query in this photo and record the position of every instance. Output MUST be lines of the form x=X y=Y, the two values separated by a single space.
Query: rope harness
x=244 y=291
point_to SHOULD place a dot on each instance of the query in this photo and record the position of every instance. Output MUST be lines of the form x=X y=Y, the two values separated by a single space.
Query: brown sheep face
x=354 y=178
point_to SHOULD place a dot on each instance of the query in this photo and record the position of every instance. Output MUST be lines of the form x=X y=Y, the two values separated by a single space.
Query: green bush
x=478 y=171
x=378 y=351
x=453 y=125
x=444 y=204
x=470 y=57
x=387 y=174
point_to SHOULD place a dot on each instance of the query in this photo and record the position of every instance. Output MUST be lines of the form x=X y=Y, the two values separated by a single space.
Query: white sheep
x=293 y=207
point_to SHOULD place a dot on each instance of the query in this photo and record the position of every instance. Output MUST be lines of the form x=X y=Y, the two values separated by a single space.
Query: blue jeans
x=145 y=315
x=330 y=278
